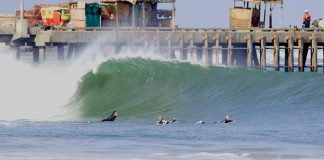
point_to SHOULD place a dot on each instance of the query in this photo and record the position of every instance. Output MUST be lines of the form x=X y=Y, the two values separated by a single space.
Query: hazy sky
x=207 y=13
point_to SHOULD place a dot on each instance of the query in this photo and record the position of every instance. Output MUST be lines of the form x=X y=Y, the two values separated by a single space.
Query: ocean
x=52 y=111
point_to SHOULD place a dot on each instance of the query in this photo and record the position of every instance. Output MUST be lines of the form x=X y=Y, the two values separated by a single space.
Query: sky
x=207 y=13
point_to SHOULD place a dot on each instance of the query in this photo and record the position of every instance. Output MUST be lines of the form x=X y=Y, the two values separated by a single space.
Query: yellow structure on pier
x=246 y=14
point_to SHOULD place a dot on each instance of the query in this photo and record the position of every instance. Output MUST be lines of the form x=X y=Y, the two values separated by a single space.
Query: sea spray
x=40 y=92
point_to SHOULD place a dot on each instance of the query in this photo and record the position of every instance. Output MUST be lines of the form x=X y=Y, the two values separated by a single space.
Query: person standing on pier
x=307 y=19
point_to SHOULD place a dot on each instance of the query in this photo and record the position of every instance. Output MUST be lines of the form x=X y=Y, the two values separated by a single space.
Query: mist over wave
x=39 y=92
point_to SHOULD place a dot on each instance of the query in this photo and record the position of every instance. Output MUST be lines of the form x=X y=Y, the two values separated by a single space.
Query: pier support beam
x=263 y=50
x=18 y=52
x=118 y=48
x=42 y=54
x=146 y=43
x=305 y=52
x=181 y=48
x=290 y=55
x=78 y=50
x=70 y=52
x=60 y=53
x=157 y=42
x=229 y=50
x=216 y=50
x=35 y=55
x=192 y=50
x=300 y=40
x=314 y=53
x=224 y=55
x=255 y=56
x=276 y=52
x=206 y=51
x=249 y=50
x=171 y=54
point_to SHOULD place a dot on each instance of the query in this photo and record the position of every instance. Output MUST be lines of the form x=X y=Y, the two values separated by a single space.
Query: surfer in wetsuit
x=174 y=120
x=227 y=120
x=112 y=117
x=162 y=121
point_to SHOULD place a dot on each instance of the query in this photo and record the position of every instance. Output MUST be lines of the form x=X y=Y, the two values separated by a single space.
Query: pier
x=244 y=44
x=211 y=46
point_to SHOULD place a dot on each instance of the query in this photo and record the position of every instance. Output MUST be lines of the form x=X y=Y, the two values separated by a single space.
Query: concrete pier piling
x=254 y=48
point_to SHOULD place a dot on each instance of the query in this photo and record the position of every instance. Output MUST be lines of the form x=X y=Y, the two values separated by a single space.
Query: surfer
x=112 y=117
x=162 y=121
x=174 y=120
x=200 y=122
x=227 y=120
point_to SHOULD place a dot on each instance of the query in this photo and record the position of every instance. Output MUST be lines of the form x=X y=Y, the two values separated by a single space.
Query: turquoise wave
x=144 y=89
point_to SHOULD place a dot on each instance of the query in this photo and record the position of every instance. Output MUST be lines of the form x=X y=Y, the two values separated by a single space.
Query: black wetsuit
x=111 y=118
x=228 y=121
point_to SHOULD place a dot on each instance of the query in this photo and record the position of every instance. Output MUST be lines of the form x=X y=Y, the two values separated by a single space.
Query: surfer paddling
x=112 y=117
x=162 y=120
x=227 y=120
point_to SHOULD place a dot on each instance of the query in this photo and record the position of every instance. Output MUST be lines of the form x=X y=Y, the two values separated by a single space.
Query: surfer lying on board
x=162 y=121
x=112 y=117
x=227 y=120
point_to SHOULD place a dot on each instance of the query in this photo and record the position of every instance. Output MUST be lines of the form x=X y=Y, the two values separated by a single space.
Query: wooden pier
x=211 y=46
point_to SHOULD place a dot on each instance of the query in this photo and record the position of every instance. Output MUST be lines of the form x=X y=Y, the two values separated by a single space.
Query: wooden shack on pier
x=136 y=13
x=246 y=14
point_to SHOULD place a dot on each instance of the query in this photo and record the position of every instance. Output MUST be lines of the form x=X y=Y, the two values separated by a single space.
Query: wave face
x=144 y=89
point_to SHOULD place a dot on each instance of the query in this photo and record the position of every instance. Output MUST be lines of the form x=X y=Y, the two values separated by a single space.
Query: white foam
x=39 y=92
x=218 y=156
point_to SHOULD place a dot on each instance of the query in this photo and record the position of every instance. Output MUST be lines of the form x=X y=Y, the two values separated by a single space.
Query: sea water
x=53 y=111
x=127 y=140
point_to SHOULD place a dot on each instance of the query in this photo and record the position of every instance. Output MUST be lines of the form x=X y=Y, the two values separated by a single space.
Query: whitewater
x=52 y=110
